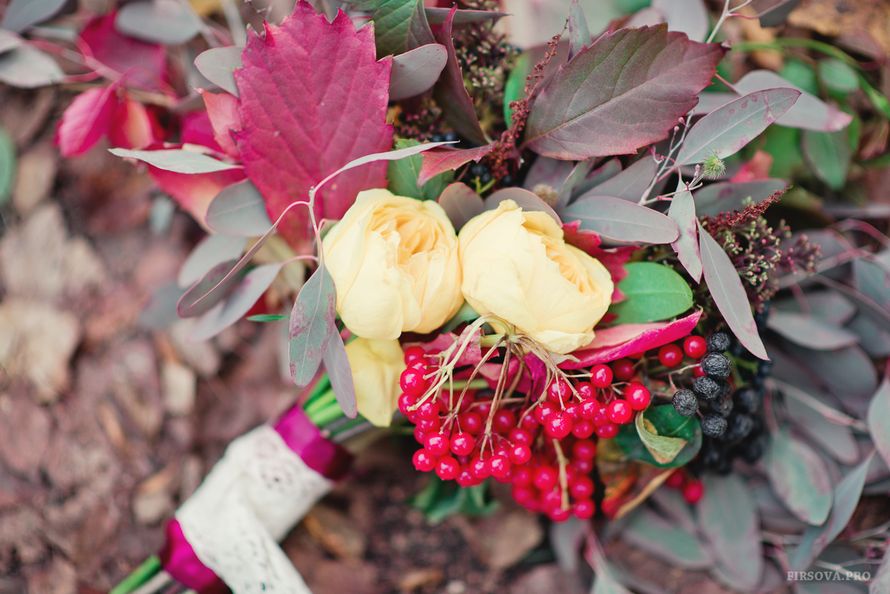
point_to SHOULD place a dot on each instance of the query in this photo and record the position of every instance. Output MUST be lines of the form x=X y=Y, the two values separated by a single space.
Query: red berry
x=558 y=514
x=558 y=391
x=581 y=488
x=584 y=509
x=601 y=376
x=413 y=382
x=551 y=500
x=521 y=436
x=581 y=467
x=670 y=355
x=545 y=478
x=480 y=468
x=447 y=468
x=462 y=444
x=697 y=371
x=420 y=436
x=406 y=401
x=522 y=476
x=523 y=495
x=637 y=396
x=520 y=454
x=428 y=410
x=607 y=431
x=483 y=408
x=466 y=478
x=504 y=420
x=695 y=347
x=610 y=507
x=471 y=422
x=583 y=429
x=620 y=412
x=623 y=369
x=675 y=480
x=436 y=444
x=588 y=408
x=529 y=422
x=693 y=491
x=601 y=416
x=585 y=390
x=423 y=460
x=500 y=467
x=584 y=449
x=428 y=425
x=557 y=425
x=414 y=353
x=543 y=410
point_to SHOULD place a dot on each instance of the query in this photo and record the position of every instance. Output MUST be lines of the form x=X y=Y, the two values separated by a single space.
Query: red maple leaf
x=312 y=98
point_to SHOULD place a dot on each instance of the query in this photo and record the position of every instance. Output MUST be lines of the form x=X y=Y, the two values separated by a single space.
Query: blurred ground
x=105 y=427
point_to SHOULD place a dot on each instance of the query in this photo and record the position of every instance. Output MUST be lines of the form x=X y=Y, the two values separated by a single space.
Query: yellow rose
x=517 y=267
x=395 y=266
x=376 y=367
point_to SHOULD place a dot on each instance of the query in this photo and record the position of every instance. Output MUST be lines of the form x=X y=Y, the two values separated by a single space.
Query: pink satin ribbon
x=303 y=438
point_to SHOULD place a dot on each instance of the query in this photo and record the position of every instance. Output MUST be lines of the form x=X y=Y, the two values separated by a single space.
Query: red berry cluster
x=693 y=347
x=692 y=488
x=544 y=447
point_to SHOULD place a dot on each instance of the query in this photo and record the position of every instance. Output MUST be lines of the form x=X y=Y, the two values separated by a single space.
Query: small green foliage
x=440 y=499
x=7 y=166
x=713 y=167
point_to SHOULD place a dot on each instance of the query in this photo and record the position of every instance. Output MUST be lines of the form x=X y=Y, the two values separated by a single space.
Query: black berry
x=718 y=342
x=739 y=428
x=706 y=388
x=451 y=137
x=747 y=400
x=752 y=450
x=713 y=425
x=722 y=406
x=685 y=402
x=716 y=365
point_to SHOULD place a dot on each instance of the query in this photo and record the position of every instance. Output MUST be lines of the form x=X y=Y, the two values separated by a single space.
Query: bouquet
x=553 y=266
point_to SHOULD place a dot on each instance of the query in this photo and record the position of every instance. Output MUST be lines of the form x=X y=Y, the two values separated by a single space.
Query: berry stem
x=563 y=477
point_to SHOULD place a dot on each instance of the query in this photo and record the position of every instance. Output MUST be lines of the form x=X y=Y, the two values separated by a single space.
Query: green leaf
x=784 y=146
x=652 y=292
x=266 y=318
x=399 y=25
x=440 y=499
x=239 y=209
x=800 y=74
x=829 y=155
x=514 y=88
x=655 y=440
x=665 y=539
x=7 y=166
x=176 y=160
x=799 y=477
x=838 y=76
x=727 y=515
x=878 y=415
x=336 y=363
x=402 y=175
x=311 y=325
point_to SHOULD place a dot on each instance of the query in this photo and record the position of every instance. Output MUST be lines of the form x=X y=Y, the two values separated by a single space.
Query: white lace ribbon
x=253 y=496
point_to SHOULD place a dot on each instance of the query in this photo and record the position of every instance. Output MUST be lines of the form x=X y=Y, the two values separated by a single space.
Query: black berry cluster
x=710 y=393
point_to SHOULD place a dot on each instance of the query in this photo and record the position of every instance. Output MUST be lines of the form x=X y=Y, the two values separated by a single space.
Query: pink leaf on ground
x=630 y=339
x=142 y=64
x=222 y=110
x=313 y=97
x=86 y=120
x=439 y=161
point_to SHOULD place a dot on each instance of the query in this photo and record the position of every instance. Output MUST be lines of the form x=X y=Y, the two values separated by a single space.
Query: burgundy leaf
x=729 y=294
x=437 y=16
x=625 y=91
x=460 y=203
x=614 y=343
x=440 y=161
x=134 y=126
x=86 y=120
x=621 y=220
x=222 y=110
x=313 y=97
x=416 y=71
x=451 y=94
x=194 y=192
x=682 y=210
x=630 y=183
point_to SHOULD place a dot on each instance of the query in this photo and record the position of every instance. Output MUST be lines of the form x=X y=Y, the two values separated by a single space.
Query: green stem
x=140 y=575
x=323 y=385
x=784 y=43
x=326 y=415
x=320 y=403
